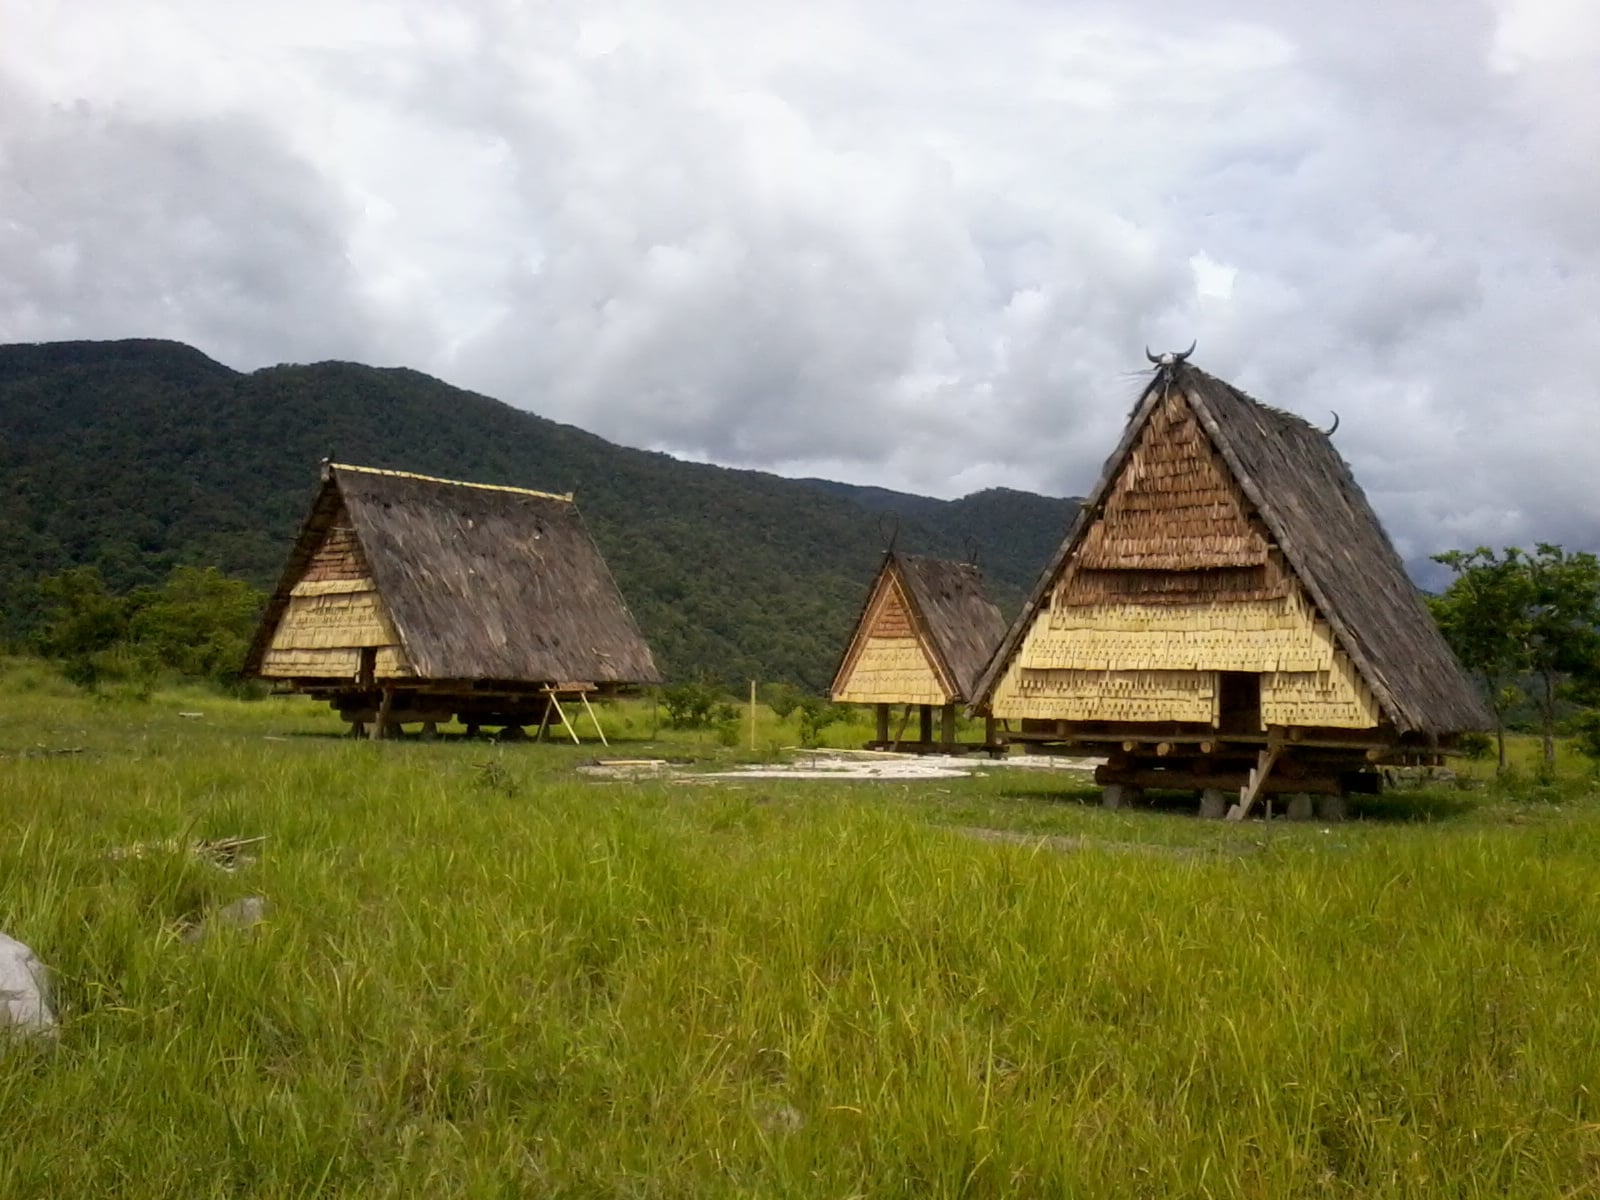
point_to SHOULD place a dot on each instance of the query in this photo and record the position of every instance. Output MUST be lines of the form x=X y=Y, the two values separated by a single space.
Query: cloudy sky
x=920 y=244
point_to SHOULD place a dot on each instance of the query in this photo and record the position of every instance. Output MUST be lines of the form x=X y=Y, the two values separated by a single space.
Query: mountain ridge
x=139 y=454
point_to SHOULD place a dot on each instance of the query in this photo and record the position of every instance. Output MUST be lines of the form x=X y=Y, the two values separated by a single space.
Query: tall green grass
x=483 y=974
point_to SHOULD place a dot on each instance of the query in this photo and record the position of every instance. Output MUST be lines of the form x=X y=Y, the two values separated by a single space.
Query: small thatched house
x=413 y=599
x=1227 y=614
x=924 y=636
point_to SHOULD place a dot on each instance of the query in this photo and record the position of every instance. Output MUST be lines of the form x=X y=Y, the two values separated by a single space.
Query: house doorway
x=1238 y=702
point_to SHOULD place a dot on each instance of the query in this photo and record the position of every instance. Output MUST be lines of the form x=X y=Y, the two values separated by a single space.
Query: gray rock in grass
x=241 y=914
x=25 y=1003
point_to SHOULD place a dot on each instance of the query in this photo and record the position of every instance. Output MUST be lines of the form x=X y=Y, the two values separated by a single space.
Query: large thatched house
x=923 y=638
x=1227 y=614
x=413 y=599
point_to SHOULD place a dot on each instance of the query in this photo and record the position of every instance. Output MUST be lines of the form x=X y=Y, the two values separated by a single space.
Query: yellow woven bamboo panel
x=311 y=664
x=891 y=671
x=1259 y=636
x=336 y=619
x=1067 y=695
x=338 y=662
x=1158 y=663
x=1336 y=698
x=324 y=628
x=330 y=587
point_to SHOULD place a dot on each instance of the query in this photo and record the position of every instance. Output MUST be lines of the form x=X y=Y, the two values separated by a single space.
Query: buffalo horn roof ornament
x=1328 y=432
x=1171 y=357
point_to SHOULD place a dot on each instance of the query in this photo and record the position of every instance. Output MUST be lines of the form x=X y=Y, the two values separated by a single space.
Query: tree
x=1517 y=614
x=1484 y=615
x=1563 y=643
x=198 y=623
x=82 y=620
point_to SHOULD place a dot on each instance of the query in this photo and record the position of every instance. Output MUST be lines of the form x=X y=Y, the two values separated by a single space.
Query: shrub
x=782 y=698
x=689 y=705
x=816 y=714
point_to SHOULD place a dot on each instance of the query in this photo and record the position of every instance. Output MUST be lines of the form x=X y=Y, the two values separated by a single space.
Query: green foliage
x=1475 y=746
x=1519 y=614
x=724 y=719
x=1586 y=735
x=816 y=714
x=170 y=458
x=782 y=698
x=197 y=624
x=689 y=705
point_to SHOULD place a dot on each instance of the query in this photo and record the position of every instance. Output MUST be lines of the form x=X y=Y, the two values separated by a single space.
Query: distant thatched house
x=411 y=599
x=923 y=638
x=1227 y=614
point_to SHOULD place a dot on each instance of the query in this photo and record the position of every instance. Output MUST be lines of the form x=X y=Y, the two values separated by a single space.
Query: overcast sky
x=920 y=245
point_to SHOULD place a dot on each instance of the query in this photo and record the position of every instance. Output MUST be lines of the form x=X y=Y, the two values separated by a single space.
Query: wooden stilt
x=882 y=722
x=988 y=731
x=925 y=723
x=900 y=733
x=947 y=725
x=544 y=720
x=430 y=730
x=380 y=727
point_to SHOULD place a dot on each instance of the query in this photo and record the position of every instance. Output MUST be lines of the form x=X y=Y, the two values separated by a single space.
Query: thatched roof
x=481 y=582
x=952 y=617
x=1314 y=510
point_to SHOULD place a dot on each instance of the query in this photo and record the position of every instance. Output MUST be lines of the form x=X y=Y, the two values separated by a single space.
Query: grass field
x=483 y=973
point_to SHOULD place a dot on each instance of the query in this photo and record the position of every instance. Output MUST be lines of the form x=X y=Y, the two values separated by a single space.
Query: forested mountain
x=135 y=456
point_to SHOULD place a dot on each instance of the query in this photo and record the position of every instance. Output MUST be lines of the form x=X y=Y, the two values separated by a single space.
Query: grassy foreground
x=485 y=974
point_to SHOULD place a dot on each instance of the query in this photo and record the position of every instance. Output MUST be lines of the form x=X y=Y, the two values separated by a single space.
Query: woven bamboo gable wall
x=334 y=612
x=1174 y=582
x=889 y=664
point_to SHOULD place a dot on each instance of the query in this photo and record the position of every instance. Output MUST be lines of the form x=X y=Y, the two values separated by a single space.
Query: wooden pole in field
x=752 y=714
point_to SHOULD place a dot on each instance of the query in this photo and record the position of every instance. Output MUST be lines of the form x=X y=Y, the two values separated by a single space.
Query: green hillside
x=135 y=456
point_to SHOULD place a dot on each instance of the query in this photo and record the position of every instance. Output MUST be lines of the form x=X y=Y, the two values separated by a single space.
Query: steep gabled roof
x=1333 y=542
x=955 y=622
x=481 y=582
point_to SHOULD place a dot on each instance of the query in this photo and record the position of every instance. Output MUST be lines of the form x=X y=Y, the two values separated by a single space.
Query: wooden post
x=899 y=733
x=584 y=696
x=380 y=727
x=752 y=715
x=925 y=723
x=947 y=726
x=883 y=722
x=988 y=731
x=556 y=704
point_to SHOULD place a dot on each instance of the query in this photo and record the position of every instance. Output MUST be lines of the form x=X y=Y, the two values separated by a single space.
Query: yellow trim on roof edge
x=487 y=487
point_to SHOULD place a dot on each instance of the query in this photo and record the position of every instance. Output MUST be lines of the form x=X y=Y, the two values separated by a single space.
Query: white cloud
x=915 y=245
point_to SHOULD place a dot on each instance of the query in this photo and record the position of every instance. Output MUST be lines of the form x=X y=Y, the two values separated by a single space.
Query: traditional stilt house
x=409 y=599
x=924 y=636
x=1227 y=615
